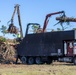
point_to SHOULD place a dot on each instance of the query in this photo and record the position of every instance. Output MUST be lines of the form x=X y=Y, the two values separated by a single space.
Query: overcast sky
x=35 y=11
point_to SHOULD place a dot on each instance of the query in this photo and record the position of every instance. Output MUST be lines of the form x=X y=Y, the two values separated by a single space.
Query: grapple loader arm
x=47 y=20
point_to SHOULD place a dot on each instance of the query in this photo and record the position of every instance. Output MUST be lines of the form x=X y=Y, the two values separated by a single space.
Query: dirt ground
x=52 y=69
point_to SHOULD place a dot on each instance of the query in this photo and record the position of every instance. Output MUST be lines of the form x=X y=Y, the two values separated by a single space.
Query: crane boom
x=14 y=13
x=19 y=19
x=46 y=19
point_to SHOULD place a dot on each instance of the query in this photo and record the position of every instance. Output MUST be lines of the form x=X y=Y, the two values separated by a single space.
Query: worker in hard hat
x=18 y=37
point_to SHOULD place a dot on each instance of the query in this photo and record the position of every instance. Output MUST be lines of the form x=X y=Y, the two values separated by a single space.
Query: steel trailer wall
x=44 y=44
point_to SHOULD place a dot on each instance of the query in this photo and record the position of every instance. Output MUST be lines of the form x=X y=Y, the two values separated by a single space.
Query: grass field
x=53 y=69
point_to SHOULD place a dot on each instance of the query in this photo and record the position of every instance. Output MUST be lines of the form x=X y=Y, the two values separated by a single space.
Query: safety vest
x=18 y=35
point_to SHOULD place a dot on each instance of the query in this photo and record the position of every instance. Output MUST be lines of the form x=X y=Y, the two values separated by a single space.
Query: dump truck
x=44 y=47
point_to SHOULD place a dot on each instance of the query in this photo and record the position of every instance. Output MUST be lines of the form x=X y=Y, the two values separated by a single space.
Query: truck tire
x=30 y=60
x=23 y=60
x=74 y=60
x=49 y=61
x=38 y=60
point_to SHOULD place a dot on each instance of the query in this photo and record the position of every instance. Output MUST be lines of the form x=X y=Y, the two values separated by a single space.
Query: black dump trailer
x=45 y=47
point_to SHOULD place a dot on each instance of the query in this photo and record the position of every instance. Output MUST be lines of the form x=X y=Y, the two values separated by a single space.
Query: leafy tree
x=3 y=29
x=2 y=39
x=74 y=28
x=58 y=29
x=35 y=27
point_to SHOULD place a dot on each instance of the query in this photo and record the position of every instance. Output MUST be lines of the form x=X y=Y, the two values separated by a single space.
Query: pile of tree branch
x=7 y=50
x=7 y=53
x=12 y=29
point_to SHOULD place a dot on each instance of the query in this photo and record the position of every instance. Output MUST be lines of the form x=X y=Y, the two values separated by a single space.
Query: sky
x=35 y=11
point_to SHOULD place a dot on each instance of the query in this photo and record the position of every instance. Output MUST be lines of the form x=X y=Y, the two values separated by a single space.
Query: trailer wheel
x=24 y=60
x=38 y=60
x=49 y=61
x=74 y=61
x=30 y=60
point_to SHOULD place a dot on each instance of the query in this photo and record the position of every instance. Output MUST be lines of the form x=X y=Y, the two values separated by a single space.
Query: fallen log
x=66 y=19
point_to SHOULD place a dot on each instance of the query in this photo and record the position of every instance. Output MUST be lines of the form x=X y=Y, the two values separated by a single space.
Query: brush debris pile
x=12 y=29
x=66 y=19
x=7 y=53
x=7 y=50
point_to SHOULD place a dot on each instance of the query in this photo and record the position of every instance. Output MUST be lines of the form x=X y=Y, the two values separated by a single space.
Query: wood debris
x=12 y=29
x=66 y=19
